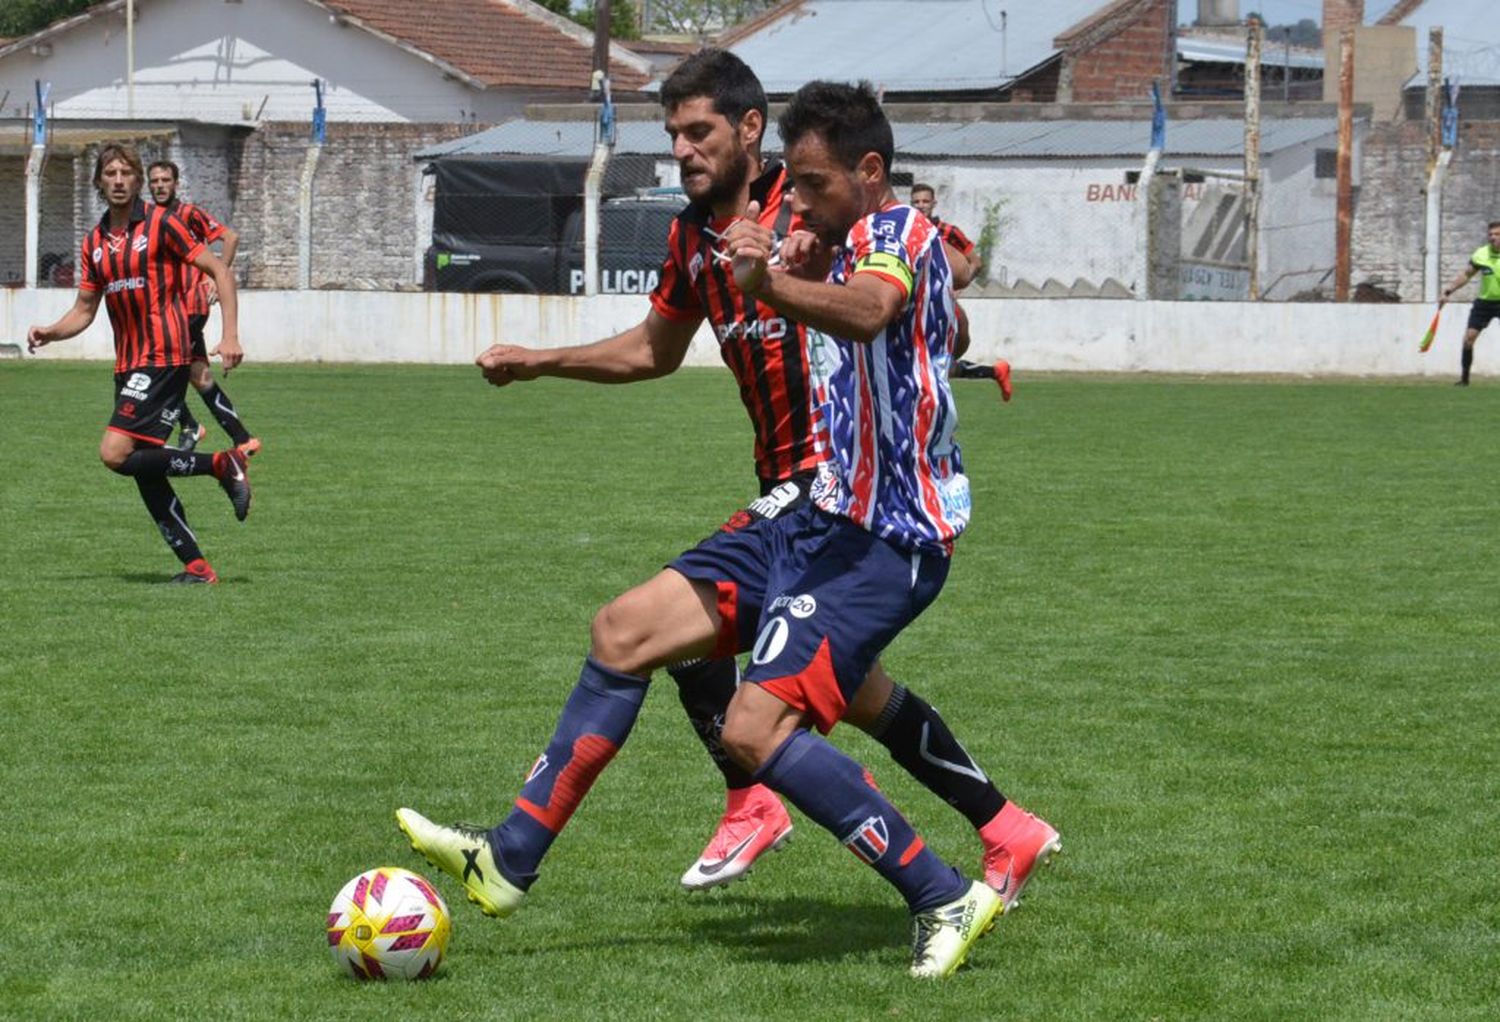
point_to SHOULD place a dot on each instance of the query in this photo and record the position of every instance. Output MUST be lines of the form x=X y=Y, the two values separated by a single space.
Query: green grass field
x=1237 y=640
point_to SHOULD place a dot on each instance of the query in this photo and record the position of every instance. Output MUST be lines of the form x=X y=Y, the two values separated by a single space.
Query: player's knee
x=617 y=635
x=744 y=742
x=112 y=456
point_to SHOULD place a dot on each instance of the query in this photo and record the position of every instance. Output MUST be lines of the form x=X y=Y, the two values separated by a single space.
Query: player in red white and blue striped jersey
x=887 y=413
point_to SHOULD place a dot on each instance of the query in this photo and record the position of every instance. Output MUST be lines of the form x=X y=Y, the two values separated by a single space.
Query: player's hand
x=230 y=353
x=211 y=292
x=804 y=255
x=748 y=243
x=36 y=337
x=506 y=363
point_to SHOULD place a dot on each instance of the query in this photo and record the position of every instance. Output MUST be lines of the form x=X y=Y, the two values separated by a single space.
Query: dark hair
x=1494 y=224
x=920 y=187
x=169 y=165
x=848 y=117
x=722 y=77
x=109 y=153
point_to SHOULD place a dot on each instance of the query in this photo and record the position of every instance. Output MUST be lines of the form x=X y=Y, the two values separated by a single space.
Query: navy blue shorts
x=832 y=596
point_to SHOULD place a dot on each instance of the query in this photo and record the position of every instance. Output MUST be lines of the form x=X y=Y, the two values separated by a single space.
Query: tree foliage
x=23 y=17
x=701 y=18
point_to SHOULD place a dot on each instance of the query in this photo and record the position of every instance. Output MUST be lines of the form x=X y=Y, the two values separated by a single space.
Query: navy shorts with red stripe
x=821 y=596
x=148 y=402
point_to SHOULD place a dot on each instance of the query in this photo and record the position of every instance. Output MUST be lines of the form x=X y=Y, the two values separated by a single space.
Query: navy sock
x=836 y=793
x=160 y=462
x=918 y=738
x=594 y=724
x=705 y=688
x=166 y=511
x=218 y=402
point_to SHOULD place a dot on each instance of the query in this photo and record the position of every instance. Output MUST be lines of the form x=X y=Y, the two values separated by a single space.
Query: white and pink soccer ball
x=388 y=923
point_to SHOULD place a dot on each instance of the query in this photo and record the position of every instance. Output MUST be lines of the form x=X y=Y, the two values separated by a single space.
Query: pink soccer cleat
x=1015 y=843
x=754 y=822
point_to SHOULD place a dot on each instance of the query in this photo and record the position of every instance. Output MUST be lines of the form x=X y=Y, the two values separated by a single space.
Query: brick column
x=1342 y=14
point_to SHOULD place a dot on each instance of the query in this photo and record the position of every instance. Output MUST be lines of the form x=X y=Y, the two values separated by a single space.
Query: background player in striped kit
x=716 y=110
x=964 y=258
x=163 y=177
x=135 y=261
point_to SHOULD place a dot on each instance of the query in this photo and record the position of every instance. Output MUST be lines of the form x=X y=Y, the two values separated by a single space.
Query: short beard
x=728 y=187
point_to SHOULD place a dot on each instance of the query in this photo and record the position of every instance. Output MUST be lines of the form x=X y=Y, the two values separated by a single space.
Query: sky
x=1283 y=12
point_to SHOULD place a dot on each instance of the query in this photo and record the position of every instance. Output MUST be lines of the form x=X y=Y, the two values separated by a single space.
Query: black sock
x=160 y=462
x=972 y=370
x=166 y=511
x=218 y=402
x=920 y=741
x=705 y=688
x=1468 y=361
x=185 y=420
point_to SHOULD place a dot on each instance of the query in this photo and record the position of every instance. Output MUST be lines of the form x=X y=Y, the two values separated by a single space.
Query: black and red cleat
x=232 y=471
x=1002 y=377
x=250 y=447
x=195 y=573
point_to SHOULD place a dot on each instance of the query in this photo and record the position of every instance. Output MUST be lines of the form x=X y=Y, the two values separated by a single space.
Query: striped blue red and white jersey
x=883 y=410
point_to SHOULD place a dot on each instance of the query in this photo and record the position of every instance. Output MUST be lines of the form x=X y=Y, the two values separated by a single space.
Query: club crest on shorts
x=869 y=840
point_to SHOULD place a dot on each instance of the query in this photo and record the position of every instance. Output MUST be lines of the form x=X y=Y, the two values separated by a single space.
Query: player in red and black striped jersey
x=716 y=115
x=963 y=256
x=136 y=262
x=163 y=177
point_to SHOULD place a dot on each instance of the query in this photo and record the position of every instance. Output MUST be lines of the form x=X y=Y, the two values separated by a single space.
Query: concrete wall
x=1037 y=335
x=242 y=62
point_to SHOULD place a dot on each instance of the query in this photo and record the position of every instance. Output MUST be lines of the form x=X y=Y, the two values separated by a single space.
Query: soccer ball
x=388 y=923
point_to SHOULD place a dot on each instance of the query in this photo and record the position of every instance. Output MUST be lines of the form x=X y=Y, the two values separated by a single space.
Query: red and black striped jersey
x=953 y=236
x=765 y=351
x=203 y=228
x=142 y=271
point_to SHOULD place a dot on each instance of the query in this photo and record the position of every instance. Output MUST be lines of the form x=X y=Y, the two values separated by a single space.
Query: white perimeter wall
x=1039 y=334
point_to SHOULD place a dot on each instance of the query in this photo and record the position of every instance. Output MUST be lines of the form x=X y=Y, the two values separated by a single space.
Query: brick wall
x=1121 y=66
x=364 y=215
x=1341 y=14
x=1389 y=216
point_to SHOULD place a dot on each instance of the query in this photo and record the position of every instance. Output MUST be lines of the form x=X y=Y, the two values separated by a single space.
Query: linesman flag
x=1431 y=330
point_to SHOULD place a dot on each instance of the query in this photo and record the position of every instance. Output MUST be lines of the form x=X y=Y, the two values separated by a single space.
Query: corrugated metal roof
x=969 y=140
x=1224 y=52
x=1471 y=43
x=909 y=45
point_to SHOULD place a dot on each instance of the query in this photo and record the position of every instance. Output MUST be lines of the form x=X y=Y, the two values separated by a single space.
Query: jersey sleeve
x=178 y=240
x=958 y=239
x=876 y=247
x=675 y=297
x=88 y=269
x=202 y=226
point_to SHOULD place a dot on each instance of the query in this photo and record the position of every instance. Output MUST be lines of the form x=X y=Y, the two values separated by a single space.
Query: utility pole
x=1342 y=268
x=130 y=59
x=1252 y=154
x=601 y=36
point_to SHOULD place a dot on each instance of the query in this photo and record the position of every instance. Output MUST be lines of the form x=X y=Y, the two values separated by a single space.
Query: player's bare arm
x=804 y=255
x=73 y=322
x=856 y=311
x=229 y=350
x=231 y=240
x=963 y=269
x=652 y=348
x=1463 y=278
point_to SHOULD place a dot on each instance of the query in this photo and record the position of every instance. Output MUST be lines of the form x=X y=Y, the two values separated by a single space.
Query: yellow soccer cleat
x=942 y=936
x=463 y=853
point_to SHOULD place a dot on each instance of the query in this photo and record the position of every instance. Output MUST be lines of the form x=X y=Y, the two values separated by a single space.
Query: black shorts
x=1481 y=312
x=195 y=332
x=148 y=402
